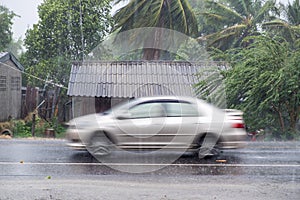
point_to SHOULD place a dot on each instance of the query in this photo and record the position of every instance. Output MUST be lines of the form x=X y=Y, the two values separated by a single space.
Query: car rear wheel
x=207 y=146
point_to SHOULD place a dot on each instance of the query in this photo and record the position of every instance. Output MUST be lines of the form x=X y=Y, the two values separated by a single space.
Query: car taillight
x=238 y=125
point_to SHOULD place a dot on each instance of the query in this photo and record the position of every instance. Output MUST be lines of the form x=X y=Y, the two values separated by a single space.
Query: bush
x=23 y=128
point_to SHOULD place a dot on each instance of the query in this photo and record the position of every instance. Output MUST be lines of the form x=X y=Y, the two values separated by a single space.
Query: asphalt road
x=47 y=169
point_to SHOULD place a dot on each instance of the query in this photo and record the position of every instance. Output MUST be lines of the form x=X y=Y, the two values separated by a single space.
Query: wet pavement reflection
x=43 y=158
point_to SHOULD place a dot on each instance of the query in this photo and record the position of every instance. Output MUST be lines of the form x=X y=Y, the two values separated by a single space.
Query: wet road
x=52 y=157
x=272 y=168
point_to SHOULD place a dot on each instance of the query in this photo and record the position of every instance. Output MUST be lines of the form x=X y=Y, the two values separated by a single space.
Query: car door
x=182 y=124
x=141 y=126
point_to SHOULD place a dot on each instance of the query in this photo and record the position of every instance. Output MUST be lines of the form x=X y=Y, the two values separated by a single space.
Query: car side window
x=147 y=110
x=181 y=109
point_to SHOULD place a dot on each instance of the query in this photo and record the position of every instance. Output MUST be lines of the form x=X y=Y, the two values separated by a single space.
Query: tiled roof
x=133 y=79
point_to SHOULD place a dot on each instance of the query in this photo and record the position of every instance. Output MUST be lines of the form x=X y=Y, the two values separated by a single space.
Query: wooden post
x=33 y=125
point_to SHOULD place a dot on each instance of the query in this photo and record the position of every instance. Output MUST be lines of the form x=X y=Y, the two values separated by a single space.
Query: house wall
x=10 y=91
x=88 y=105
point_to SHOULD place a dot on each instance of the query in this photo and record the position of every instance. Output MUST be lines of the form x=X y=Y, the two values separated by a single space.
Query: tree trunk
x=281 y=121
x=151 y=54
x=152 y=45
x=294 y=116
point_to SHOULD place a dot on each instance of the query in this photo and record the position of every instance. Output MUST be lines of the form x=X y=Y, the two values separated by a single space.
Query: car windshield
x=119 y=107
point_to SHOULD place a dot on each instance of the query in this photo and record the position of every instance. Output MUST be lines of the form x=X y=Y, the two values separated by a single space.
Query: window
x=147 y=110
x=181 y=109
x=2 y=83
x=15 y=83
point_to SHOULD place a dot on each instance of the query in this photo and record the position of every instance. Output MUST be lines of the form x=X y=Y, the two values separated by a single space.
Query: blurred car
x=155 y=123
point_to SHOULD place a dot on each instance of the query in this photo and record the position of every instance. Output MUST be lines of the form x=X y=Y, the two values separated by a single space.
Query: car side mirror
x=124 y=116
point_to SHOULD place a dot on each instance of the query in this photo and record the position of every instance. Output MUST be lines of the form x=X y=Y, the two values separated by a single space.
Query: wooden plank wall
x=10 y=92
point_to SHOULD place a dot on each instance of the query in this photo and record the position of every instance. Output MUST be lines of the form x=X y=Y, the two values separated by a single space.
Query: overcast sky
x=27 y=9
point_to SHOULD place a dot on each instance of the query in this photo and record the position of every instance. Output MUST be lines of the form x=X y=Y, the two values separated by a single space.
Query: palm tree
x=293 y=12
x=234 y=20
x=289 y=26
x=169 y=14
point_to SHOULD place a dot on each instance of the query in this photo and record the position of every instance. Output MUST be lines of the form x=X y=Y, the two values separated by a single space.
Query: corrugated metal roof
x=5 y=56
x=133 y=78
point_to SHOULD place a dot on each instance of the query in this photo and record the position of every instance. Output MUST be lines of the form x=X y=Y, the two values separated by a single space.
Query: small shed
x=10 y=86
x=96 y=86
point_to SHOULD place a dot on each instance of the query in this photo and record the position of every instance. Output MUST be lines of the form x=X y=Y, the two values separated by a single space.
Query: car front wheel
x=99 y=145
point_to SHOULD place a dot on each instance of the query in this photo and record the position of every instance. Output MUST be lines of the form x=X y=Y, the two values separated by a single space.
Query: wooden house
x=10 y=86
x=97 y=86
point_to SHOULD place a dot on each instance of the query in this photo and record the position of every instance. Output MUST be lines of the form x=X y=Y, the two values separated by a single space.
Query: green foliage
x=263 y=80
x=58 y=128
x=6 y=21
x=230 y=21
x=289 y=24
x=192 y=51
x=198 y=7
x=175 y=15
x=264 y=83
x=66 y=31
x=211 y=86
x=23 y=128
x=293 y=12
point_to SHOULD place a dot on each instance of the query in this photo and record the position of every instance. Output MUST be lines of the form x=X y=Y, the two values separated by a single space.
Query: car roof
x=205 y=107
x=139 y=100
x=158 y=98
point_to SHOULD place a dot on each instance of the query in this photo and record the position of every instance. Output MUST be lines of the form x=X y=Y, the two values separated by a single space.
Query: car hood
x=89 y=120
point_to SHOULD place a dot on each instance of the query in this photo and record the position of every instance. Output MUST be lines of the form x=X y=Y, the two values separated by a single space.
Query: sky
x=28 y=12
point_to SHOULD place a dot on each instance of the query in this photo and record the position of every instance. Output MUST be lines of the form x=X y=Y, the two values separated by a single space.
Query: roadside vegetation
x=261 y=43
x=23 y=128
x=259 y=39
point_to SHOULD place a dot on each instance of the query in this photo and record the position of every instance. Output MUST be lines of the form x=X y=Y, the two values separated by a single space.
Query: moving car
x=159 y=123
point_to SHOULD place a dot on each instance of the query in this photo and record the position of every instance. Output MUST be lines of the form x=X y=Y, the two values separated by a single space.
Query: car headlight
x=81 y=124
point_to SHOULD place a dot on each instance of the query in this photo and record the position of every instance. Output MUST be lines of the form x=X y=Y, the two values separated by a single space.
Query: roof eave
x=9 y=56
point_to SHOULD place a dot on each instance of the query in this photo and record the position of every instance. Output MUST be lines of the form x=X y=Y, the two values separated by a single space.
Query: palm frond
x=222 y=41
x=224 y=35
x=175 y=14
x=264 y=11
x=225 y=10
x=212 y=16
x=293 y=11
x=246 y=6
x=124 y=16
x=275 y=23
x=236 y=28
x=170 y=14
x=180 y=12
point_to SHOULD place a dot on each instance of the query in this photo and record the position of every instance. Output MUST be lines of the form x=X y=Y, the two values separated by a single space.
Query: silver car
x=156 y=123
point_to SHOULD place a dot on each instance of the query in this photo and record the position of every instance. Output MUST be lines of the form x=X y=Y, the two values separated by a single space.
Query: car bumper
x=76 y=146
x=234 y=140
x=74 y=140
